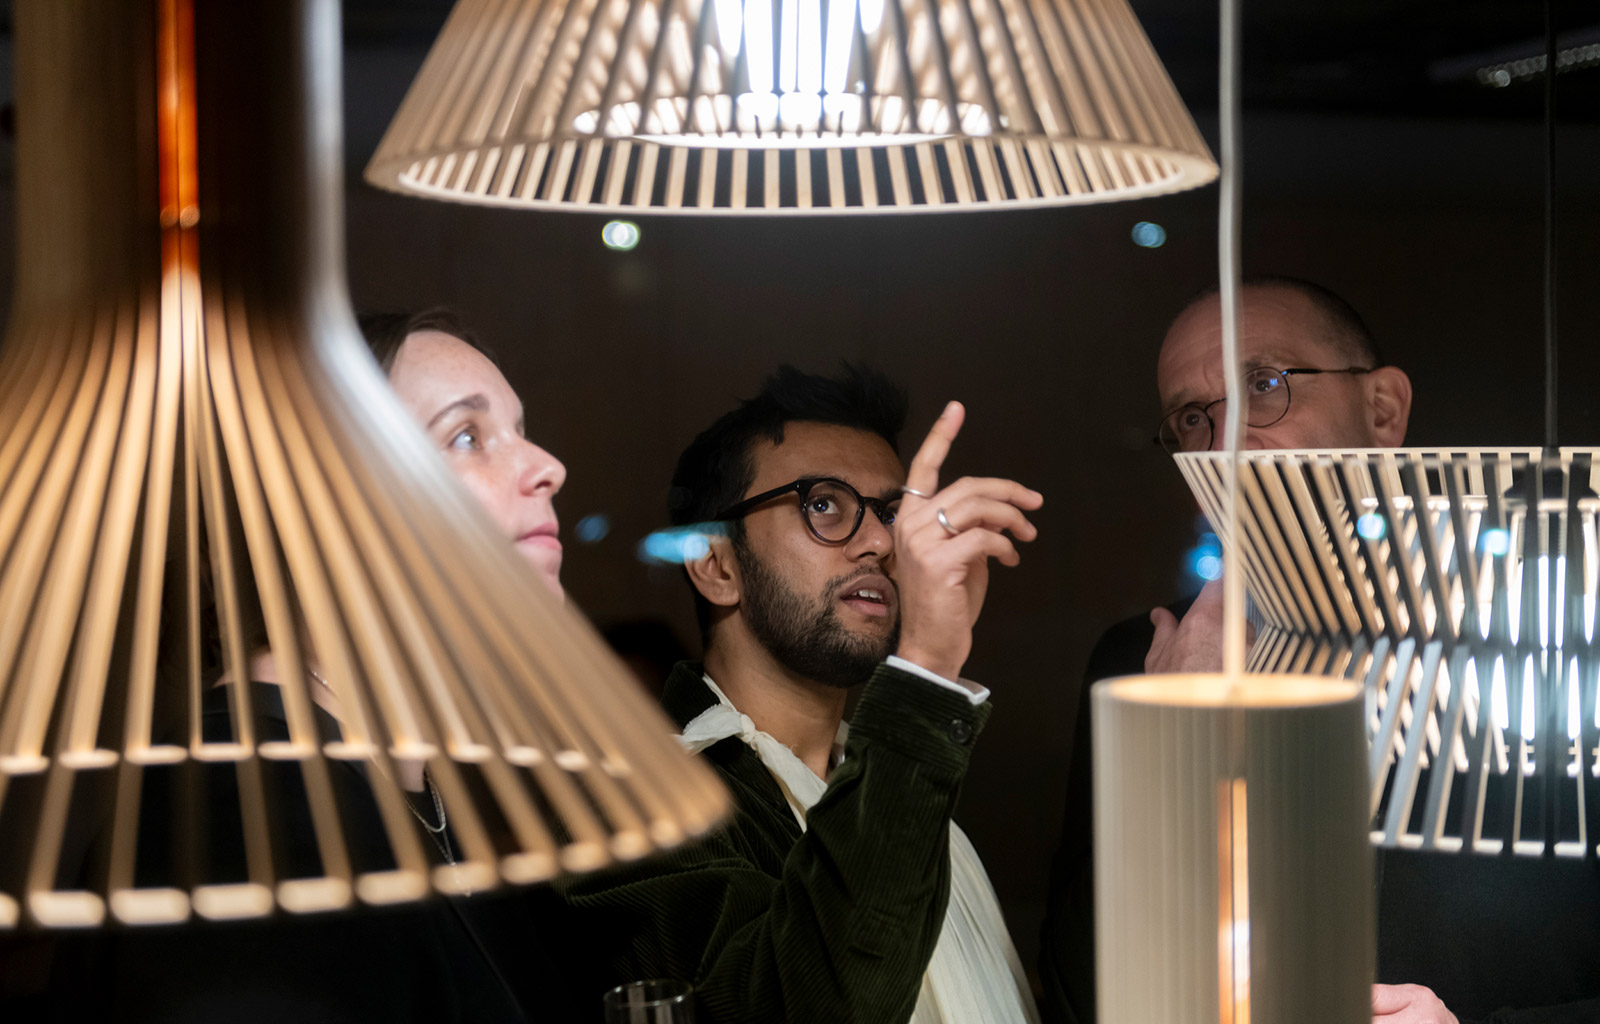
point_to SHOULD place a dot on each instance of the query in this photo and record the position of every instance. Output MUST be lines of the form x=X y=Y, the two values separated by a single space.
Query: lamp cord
x=1551 y=392
x=1228 y=222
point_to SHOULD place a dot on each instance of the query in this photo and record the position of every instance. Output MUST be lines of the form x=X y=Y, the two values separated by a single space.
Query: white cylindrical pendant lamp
x=1233 y=878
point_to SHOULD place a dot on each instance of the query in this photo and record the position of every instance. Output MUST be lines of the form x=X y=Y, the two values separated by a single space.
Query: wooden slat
x=1077 y=79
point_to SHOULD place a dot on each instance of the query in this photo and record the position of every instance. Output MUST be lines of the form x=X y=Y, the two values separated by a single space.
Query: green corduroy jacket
x=769 y=923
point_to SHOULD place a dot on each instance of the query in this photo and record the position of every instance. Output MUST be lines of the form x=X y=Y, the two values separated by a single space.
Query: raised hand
x=1195 y=644
x=942 y=568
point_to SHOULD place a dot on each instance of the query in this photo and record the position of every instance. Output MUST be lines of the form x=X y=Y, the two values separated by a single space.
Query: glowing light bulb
x=841 y=32
x=758 y=46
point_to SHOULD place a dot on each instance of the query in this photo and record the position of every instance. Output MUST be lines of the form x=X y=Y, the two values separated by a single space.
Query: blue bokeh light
x=592 y=529
x=621 y=235
x=1205 y=558
x=1496 y=541
x=1148 y=235
x=677 y=545
x=1371 y=526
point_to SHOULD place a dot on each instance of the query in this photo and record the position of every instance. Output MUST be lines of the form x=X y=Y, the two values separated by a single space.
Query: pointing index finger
x=923 y=474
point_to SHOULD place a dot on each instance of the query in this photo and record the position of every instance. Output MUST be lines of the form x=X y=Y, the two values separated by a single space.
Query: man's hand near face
x=1195 y=643
x=1408 y=1004
x=941 y=576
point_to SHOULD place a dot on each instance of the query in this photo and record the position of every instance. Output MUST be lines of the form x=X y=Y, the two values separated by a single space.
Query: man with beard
x=825 y=899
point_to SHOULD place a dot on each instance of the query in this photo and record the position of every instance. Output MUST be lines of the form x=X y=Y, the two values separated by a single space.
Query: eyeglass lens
x=833 y=511
x=1190 y=428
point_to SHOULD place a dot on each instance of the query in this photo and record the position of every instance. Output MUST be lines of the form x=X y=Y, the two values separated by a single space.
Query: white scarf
x=975 y=976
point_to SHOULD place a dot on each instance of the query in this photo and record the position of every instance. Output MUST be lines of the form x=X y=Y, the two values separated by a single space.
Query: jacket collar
x=685 y=693
x=683 y=697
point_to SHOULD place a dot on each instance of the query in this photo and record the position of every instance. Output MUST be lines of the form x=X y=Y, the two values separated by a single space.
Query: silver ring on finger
x=944 y=521
x=914 y=492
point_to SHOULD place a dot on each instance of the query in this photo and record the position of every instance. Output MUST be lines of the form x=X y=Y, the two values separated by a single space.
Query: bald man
x=1318 y=382
x=1342 y=396
x=1480 y=933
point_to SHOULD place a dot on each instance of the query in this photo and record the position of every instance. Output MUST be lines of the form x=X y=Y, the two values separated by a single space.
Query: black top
x=1486 y=934
x=1066 y=949
x=831 y=925
x=440 y=960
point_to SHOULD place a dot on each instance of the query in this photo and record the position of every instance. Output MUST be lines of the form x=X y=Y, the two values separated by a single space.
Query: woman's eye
x=466 y=440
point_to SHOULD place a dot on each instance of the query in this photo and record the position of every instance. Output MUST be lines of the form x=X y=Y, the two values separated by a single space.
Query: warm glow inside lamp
x=195 y=442
x=1232 y=874
x=791 y=106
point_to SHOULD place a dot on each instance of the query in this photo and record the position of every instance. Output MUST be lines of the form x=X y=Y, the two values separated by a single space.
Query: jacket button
x=959 y=732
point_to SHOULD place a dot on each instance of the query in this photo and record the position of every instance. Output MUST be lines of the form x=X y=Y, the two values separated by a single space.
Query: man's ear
x=1388 y=405
x=715 y=574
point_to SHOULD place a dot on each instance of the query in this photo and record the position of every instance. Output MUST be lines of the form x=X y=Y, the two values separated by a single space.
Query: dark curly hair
x=717 y=469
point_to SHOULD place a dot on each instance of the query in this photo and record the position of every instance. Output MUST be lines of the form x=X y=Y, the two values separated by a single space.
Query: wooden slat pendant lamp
x=194 y=444
x=791 y=106
x=1459 y=587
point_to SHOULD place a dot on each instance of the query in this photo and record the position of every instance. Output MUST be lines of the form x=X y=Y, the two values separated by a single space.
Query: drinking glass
x=659 y=1001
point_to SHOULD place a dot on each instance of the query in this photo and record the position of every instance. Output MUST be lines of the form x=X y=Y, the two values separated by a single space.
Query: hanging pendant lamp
x=1459 y=587
x=194 y=444
x=791 y=106
x=1232 y=876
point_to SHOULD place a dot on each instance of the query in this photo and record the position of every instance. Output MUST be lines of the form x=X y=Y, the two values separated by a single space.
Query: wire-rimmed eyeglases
x=1190 y=428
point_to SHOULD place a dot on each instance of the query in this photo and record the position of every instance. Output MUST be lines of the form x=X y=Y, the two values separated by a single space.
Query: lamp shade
x=1459 y=587
x=791 y=106
x=1232 y=875
x=196 y=448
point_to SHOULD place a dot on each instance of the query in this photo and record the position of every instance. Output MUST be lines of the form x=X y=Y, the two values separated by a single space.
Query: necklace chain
x=441 y=841
x=438 y=806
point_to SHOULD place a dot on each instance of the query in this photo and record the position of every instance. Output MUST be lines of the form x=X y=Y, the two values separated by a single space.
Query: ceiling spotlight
x=621 y=235
x=1522 y=61
x=1502 y=75
x=1148 y=235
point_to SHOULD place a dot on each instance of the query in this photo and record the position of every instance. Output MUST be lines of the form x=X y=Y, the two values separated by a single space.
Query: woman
x=448 y=381
x=436 y=961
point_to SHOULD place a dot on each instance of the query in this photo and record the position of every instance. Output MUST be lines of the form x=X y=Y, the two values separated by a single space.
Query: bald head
x=1288 y=324
x=1325 y=314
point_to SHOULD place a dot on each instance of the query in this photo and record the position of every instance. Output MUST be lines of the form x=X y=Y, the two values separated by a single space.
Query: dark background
x=1372 y=164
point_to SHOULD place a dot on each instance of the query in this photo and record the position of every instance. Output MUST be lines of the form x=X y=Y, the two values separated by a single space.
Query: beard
x=806 y=636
